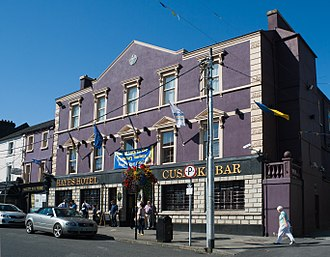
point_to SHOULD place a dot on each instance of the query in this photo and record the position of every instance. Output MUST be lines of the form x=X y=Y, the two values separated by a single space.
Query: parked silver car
x=59 y=221
x=11 y=215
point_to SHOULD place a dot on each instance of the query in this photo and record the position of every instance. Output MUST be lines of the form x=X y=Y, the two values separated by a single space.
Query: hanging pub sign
x=125 y=159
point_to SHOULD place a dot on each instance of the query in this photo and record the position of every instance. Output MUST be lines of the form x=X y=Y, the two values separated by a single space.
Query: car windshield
x=67 y=213
x=6 y=207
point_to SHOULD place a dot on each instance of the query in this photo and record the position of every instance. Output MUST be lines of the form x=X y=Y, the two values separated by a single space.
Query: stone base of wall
x=255 y=230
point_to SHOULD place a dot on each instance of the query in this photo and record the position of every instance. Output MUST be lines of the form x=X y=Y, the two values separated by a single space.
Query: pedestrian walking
x=113 y=213
x=141 y=214
x=149 y=212
x=284 y=227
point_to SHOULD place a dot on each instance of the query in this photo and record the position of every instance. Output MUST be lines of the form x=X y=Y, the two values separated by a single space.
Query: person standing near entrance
x=284 y=227
x=113 y=213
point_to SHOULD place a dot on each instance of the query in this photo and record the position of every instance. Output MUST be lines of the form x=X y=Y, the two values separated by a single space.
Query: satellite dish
x=16 y=171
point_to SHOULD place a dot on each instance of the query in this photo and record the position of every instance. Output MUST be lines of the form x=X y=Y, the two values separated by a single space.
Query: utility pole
x=210 y=162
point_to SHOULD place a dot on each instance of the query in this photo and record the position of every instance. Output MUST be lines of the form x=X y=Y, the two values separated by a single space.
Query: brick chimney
x=276 y=20
x=86 y=81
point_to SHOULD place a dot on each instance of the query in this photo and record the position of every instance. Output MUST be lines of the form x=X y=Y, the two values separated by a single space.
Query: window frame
x=203 y=144
x=10 y=148
x=41 y=170
x=27 y=172
x=217 y=60
x=160 y=146
x=127 y=85
x=73 y=119
x=44 y=141
x=231 y=185
x=169 y=200
x=69 y=161
x=164 y=73
x=96 y=158
x=94 y=195
x=29 y=143
x=8 y=171
x=100 y=111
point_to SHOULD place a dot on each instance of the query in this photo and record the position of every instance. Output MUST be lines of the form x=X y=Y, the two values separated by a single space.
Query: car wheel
x=57 y=230
x=29 y=227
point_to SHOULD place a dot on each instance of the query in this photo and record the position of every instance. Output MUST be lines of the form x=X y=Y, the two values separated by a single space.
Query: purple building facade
x=38 y=150
x=129 y=105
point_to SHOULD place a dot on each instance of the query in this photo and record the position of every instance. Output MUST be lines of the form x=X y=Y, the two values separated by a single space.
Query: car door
x=38 y=219
x=49 y=220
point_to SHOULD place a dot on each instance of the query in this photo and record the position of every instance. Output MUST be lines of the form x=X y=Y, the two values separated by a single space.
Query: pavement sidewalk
x=223 y=243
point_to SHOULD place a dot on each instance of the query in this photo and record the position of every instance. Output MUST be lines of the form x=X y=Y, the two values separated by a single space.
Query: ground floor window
x=61 y=195
x=229 y=195
x=174 y=198
x=91 y=196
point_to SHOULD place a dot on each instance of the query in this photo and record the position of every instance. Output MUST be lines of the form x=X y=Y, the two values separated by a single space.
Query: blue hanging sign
x=123 y=159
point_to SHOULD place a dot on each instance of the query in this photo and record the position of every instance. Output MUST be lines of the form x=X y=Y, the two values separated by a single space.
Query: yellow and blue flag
x=272 y=111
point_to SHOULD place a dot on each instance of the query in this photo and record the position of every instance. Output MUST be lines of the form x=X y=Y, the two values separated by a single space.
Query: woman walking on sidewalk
x=141 y=214
x=284 y=227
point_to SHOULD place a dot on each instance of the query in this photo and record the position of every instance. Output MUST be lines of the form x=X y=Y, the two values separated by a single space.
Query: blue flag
x=36 y=161
x=98 y=139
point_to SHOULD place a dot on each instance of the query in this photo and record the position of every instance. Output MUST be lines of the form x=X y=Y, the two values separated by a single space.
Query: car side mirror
x=50 y=214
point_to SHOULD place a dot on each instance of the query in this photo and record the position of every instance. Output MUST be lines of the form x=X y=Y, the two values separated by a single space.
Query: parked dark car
x=59 y=221
x=11 y=215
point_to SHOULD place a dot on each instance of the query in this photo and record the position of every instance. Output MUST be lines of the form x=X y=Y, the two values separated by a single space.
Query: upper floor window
x=100 y=108
x=98 y=159
x=216 y=77
x=30 y=143
x=74 y=115
x=169 y=84
x=131 y=94
x=72 y=160
x=100 y=103
x=132 y=99
x=8 y=175
x=44 y=139
x=216 y=139
x=27 y=173
x=10 y=147
x=42 y=170
x=219 y=119
x=167 y=147
x=129 y=144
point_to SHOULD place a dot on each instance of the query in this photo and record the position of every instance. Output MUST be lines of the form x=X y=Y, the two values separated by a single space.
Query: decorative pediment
x=164 y=122
x=69 y=142
x=92 y=137
x=203 y=115
x=126 y=130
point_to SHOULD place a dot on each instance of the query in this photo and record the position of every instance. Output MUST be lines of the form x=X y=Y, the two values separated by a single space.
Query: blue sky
x=45 y=46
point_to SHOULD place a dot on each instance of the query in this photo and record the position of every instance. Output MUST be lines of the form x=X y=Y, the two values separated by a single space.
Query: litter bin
x=164 y=232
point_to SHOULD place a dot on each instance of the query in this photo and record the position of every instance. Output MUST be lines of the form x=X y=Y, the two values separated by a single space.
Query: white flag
x=178 y=115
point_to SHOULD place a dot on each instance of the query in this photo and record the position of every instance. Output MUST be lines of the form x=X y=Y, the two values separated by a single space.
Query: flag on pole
x=178 y=115
x=272 y=111
x=98 y=139
x=38 y=162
